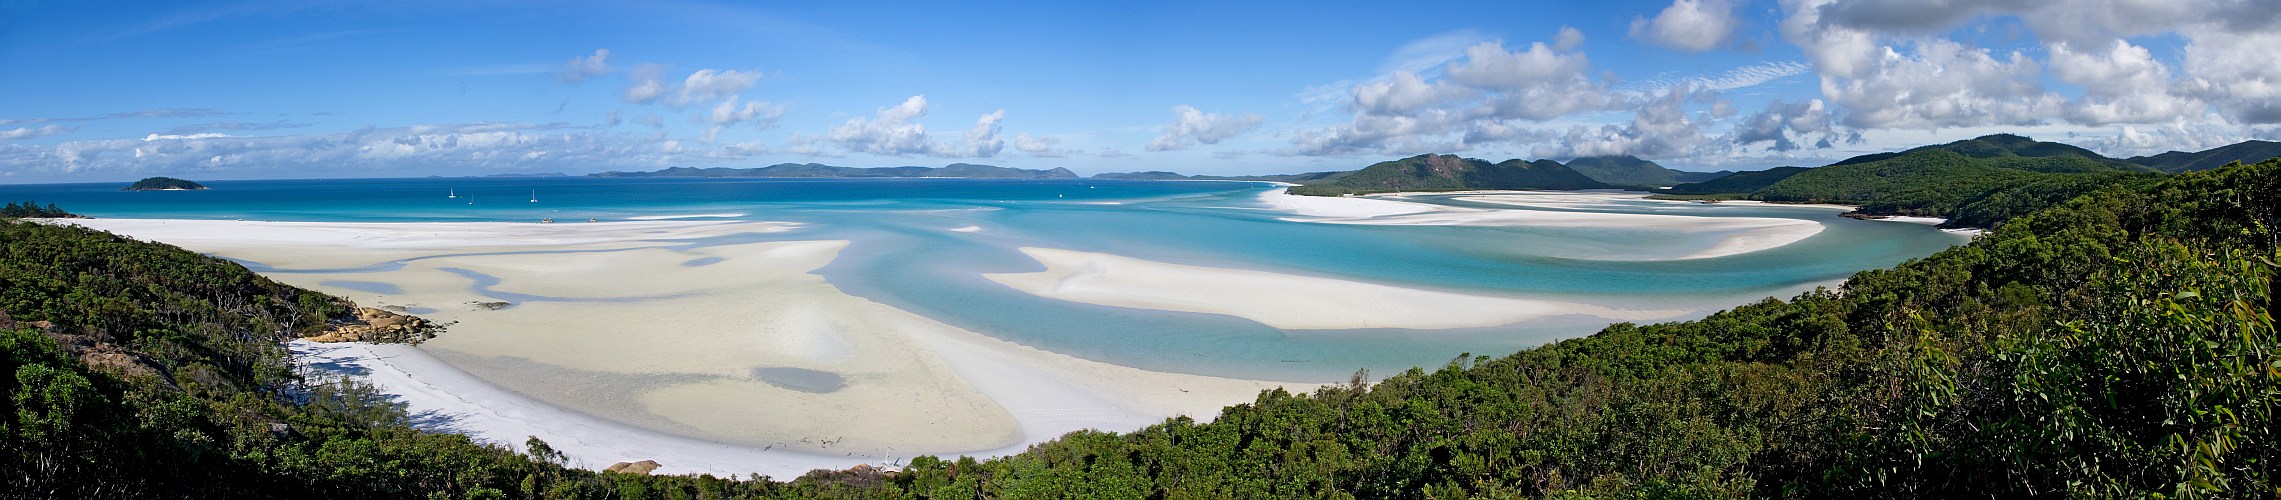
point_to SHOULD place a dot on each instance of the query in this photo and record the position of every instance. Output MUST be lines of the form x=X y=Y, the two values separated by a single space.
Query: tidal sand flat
x=1284 y=301
x=1735 y=235
x=751 y=349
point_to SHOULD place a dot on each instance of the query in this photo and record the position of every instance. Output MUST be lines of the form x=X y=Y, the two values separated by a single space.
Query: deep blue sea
x=902 y=253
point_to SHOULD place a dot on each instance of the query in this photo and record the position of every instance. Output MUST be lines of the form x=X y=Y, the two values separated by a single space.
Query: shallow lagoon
x=922 y=245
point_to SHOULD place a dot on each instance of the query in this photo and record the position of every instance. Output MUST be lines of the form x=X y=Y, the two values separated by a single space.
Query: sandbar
x=1738 y=235
x=1286 y=301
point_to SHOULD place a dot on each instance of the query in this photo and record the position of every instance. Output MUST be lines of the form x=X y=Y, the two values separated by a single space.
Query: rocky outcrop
x=380 y=325
x=643 y=467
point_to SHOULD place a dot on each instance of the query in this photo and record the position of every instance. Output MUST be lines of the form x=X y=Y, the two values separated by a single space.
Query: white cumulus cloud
x=1039 y=146
x=1689 y=25
x=2123 y=83
x=20 y=133
x=890 y=131
x=1939 y=83
x=982 y=141
x=710 y=84
x=578 y=69
x=1191 y=126
x=645 y=83
x=729 y=113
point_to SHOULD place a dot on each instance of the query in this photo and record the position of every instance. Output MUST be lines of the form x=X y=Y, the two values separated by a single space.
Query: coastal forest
x=2111 y=336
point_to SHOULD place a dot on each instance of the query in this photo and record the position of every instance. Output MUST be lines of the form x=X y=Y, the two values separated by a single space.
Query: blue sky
x=219 y=90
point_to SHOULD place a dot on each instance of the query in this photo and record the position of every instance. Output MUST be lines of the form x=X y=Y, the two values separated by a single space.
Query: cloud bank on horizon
x=262 y=90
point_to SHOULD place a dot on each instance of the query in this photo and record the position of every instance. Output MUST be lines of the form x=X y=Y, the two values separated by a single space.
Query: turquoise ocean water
x=903 y=253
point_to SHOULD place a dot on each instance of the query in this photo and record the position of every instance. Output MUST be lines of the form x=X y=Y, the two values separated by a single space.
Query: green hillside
x=2120 y=343
x=1631 y=171
x=1937 y=180
x=1974 y=183
x=2180 y=161
x=1624 y=171
x=1737 y=183
x=1432 y=172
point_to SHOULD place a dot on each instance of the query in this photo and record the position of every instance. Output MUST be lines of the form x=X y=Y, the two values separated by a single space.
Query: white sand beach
x=724 y=215
x=735 y=358
x=1269 y=298
x=1738 y=235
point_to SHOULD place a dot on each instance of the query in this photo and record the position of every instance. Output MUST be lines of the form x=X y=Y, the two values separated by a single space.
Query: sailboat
x=534 y=196
x=454 y=193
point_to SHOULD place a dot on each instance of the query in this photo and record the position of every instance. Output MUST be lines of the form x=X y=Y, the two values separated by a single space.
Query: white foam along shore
x=411 y=235
x=1284 y=301
x=1738 y=235
x=642 y=350
x=724 y=215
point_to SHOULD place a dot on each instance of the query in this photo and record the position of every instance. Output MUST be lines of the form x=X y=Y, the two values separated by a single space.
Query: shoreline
x=1649 y=196
x=1332 y=304
x=1736 y=235
x=1391 y=209
x=625 y=347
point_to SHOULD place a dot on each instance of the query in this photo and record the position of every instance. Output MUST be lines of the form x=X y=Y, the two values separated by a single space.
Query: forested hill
x=164 y=184
x=1973 y=183
x=2181 y=161
x=2120 y=343
x=1631 y=171
x=1431 y=172
x=960 y=170
x=1737 y=183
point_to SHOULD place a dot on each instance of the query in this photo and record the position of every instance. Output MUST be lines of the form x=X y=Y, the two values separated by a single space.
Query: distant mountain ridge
x=1604 y=172
x=1627 y=170
x=1152 y=175
x=1738 y=182
x=2181 y=161
x=1432 y=172
x=818 y=170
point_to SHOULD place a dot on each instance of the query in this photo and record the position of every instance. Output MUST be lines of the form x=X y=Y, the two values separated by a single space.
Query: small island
x=165 y=184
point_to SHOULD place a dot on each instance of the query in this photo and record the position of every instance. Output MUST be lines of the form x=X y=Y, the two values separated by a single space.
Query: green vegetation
x=1449 y=173
x=163 y=184
x=1737 y=184
x=1632 y=171
x=2119 y=343
x=1929 y=183
x=33 y=210
x=1975 y=183
x=1624 y=171
x=140 y=370
x=2180 y=161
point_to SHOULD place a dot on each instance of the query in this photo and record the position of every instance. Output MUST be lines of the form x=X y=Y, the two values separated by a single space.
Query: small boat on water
x=454 y=193
x=534 y=196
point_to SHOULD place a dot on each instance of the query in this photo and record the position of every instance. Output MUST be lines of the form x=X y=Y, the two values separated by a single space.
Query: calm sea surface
x=903 y=253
